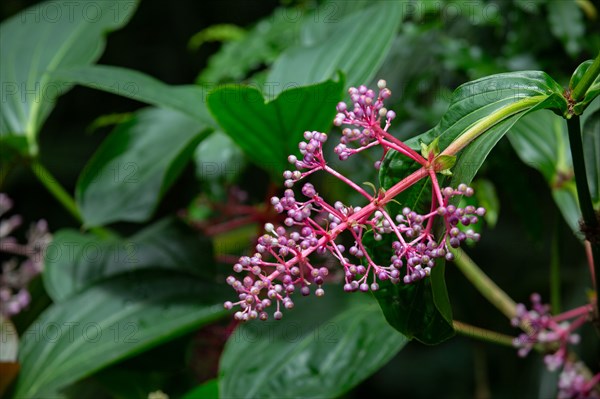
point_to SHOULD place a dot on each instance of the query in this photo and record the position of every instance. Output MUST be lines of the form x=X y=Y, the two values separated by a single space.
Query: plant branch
x=484 y=284
x=62 y=196
x=586 y=80
x=482 y=334
x=54 y=187
x=583 y=194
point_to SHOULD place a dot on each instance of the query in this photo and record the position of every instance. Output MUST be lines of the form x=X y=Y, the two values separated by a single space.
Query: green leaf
x=417 y=197
x=341 y=46
x=566 y=23
x=419 y=310
x=322 y=349
x=485 y=109
x=217 y=157
x=187 y=99
x=472 y=157
x=592 y=92
x=260 y=46
x=268 y=132
x=579 y=72
x=208 y=390
x=74 y=260
x=591 y=151
x=136 y=165
x=41 y=39
x=542 y=142
x=108 y=323
x=413 y=309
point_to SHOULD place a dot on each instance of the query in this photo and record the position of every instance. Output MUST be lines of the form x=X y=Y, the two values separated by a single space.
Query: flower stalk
x=482 y=334
x=490 y=290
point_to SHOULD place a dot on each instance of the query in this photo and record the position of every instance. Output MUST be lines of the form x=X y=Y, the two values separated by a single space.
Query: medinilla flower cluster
x=17 y=274
x=289 y=258
x=554 y=334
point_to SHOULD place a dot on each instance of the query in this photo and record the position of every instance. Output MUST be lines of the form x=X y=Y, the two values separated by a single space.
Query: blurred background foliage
x=439 y=45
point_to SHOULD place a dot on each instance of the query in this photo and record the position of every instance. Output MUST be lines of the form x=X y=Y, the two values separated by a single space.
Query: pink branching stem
x=436 y=187
x=358 y=217
x=399 y=146
x=581 y=320
x=581 y=310
x=348 y=182
x=394 y=227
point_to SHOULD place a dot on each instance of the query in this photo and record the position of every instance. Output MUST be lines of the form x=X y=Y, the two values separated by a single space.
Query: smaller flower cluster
x=16 y=275
x=555 y=333
x=552 y=332
x=573 y=383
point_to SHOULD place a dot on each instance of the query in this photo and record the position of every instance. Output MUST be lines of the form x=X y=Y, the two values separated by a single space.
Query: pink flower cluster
x=289 y=258
x=15 y=274
x=574 y=384
x=555 y=334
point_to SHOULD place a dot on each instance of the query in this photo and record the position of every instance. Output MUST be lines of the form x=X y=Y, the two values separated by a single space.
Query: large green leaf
x=486 y=108
x=323 y=348
x=74 y=260
x=188 y=99
x=135 y=165
x=41 y=39
x=268 y=132
x=110 y=322
x=358 y=52
x=591 y=151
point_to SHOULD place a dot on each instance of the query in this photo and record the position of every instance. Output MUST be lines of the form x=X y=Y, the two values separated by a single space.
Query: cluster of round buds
x=367 y=112
x=367 y=109
x=572 y=383
x=415 y=248
x=312 y=157
x=281 y=262
x=278 y=267
x=542 y=328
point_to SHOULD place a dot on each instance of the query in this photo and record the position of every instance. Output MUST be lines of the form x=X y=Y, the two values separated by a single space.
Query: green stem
x=586 y=80
x=583 y=189
x=54 y=187
x=490 y=121
x=482 y=334
x=583 y=192
x=484 y=284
